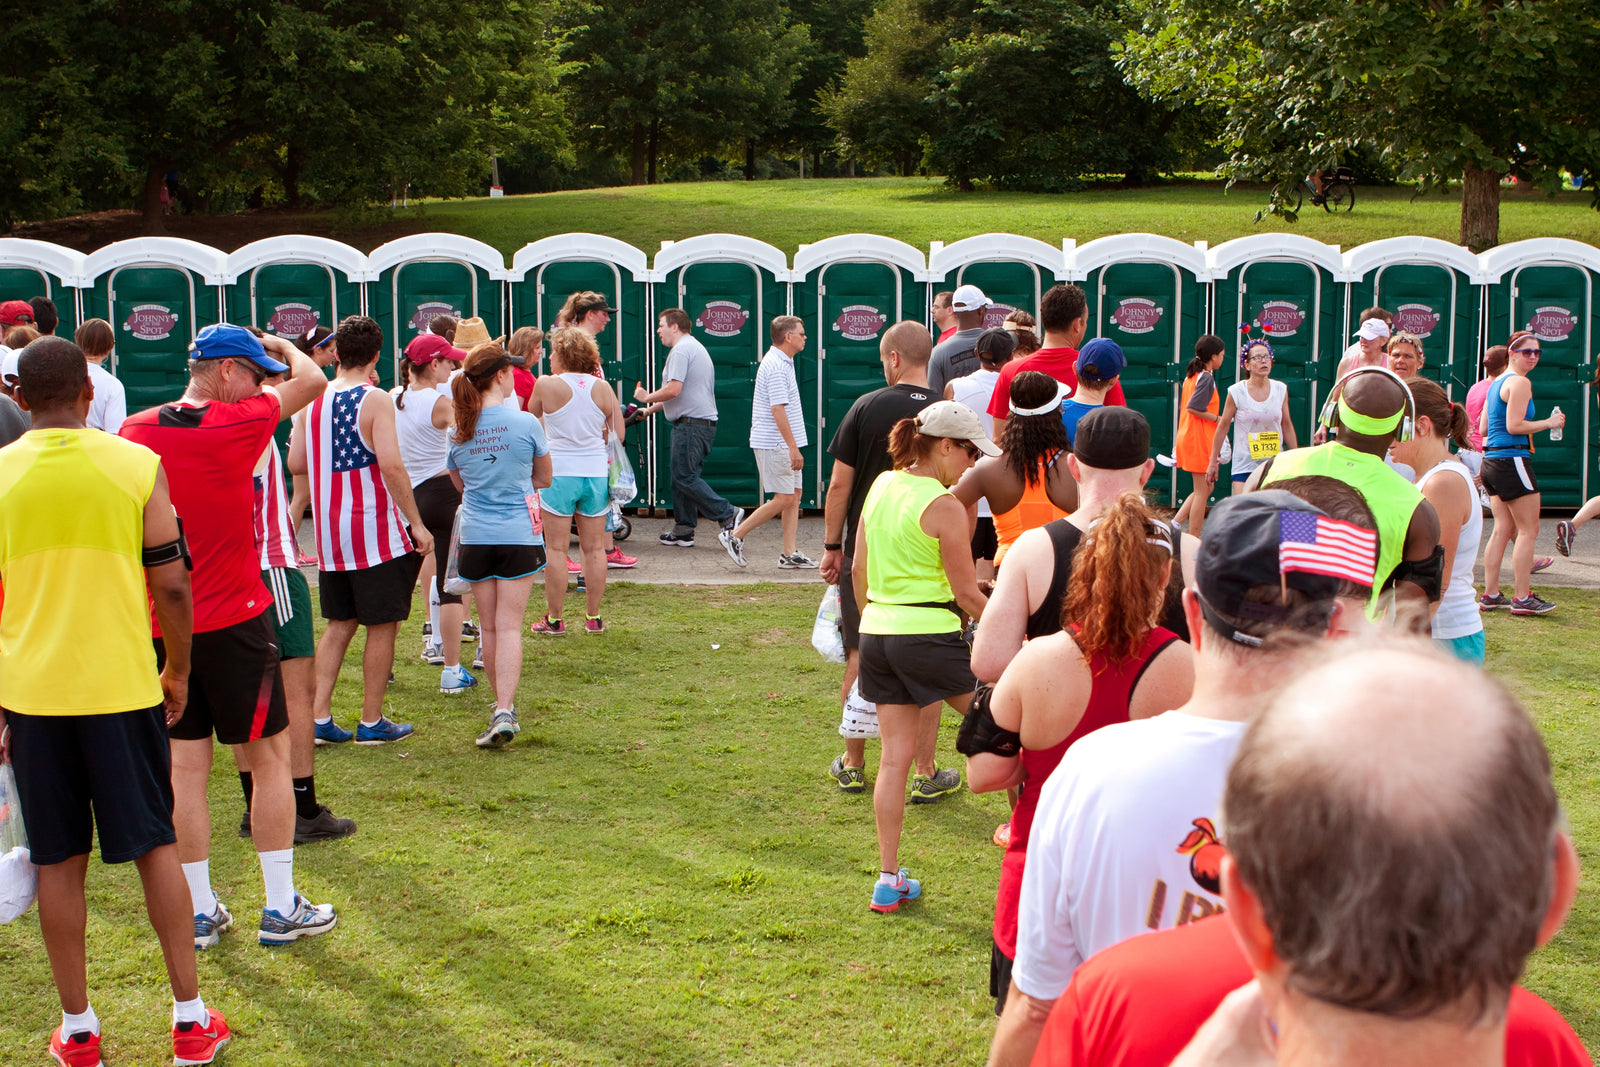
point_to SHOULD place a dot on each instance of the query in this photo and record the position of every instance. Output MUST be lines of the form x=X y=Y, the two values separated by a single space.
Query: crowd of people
x=1152 y=696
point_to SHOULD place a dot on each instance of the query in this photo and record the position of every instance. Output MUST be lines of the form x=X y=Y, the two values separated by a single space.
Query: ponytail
x=1118 y=585
x=1205 y=350
x=405 y=383
x=477 y=375
x=907 y=444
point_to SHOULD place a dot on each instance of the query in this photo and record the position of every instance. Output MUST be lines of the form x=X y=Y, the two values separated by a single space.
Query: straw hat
x=470 y=333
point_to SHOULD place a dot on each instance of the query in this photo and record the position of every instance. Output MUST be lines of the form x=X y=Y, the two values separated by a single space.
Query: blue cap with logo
x=1101 y=360
x=227 y=341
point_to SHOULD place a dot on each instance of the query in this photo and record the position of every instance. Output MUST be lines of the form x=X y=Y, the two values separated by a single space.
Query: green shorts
x=291 y=612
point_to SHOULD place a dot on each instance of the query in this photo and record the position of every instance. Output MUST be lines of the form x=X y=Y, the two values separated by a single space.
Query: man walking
x=954 y=357
x=777 y=434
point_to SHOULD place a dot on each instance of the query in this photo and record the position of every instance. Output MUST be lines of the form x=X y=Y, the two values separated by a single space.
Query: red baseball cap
x=427 y=347
x=15 y=313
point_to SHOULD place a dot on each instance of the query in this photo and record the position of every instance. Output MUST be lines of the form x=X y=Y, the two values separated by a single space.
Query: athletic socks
x=248 y=786
x=888 y=877
x=198 y=875
x=433 y=610
x=277 y=871
x=305 y=797
x=88 y=1022
x=190 y=1011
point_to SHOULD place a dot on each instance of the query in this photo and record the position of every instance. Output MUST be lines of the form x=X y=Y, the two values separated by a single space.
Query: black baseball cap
x=997 y=344
x=583 y=307
x=1112 y=438
x=1239 y=552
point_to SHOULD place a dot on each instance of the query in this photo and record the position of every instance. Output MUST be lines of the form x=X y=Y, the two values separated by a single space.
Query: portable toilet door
x=429 y=274
x=848 y=290
x=731 y=287
x=1433 y=289
x=287 y=285
x=1294 y=284
x=1149 y=295
x=1546 y=285
x=1012 y=271
x=545 y=273
x=37 y=268
x=157 y=293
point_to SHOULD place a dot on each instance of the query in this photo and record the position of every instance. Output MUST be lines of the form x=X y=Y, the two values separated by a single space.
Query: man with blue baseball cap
x=1099 y=365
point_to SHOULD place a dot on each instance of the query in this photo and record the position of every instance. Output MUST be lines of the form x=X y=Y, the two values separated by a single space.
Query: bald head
x=1376 y=396
x=1400 y=844
x=910 y=340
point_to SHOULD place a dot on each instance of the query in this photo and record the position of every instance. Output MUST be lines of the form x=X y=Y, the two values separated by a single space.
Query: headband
x=1352 y=419
x=1042 y=409
x=484 y=372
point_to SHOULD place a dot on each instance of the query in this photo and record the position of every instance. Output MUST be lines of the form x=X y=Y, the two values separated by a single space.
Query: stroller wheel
x=624 y=528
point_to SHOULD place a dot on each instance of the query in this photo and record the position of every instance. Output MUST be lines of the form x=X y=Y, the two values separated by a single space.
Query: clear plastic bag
x=624 y=486
x=826 y=636
x=19 y=878
x=453 y=583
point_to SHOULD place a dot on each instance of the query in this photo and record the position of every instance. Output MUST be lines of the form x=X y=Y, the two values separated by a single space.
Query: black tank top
x=1064 y=539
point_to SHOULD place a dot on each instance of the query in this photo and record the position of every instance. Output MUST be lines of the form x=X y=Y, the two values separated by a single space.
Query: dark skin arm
x=169 y=594
x=1422 y=537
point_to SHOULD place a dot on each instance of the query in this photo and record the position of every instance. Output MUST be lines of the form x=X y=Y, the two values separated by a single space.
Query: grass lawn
x=657 y=872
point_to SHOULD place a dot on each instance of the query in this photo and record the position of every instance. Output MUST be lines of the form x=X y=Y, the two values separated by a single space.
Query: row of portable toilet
x=1152 y=294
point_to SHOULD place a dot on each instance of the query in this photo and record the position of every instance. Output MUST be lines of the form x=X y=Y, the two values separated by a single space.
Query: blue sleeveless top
x=1497 y=443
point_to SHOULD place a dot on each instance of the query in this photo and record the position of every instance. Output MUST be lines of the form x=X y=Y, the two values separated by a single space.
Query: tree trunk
x=816 y=163
x=749 y=159
x=655 y=144
x=293 y=160
x=155 y=177
x=641 y=136
x=850 y=167
x=1480 y=208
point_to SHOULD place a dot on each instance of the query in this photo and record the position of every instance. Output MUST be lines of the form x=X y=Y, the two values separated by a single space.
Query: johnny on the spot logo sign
x=1284 y=316
x=425 y=313
x=860 y=322
x=723 y=318
x=1137 y=315
x=1419 y=319
x=1552 y=323
x=150 y=322
x=293 y=320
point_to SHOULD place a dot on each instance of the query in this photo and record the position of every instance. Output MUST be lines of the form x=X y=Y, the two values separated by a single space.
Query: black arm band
x=832 y=546
x=1428 y=574
x=980 y=733
x=170 y=552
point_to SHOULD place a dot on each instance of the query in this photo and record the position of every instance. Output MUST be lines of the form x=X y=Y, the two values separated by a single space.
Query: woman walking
x=1197 y=425
x=1258 y=411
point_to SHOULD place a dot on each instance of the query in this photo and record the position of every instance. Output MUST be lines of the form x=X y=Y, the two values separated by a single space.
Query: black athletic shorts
x=1509 y=478
x=235 y=688
x=918 y=669
x=999 y=976
x=79 y=774
x=371 y=596
x=849 y=611
x=437 y=501
x=985 y=543
x=479 y=563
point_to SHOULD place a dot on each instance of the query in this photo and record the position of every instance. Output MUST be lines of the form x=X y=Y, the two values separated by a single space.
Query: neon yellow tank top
x=903 y=563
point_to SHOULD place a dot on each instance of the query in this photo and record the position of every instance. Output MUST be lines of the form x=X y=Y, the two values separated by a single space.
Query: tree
x=1443 y=89
x=880 y=109
x=837 y=35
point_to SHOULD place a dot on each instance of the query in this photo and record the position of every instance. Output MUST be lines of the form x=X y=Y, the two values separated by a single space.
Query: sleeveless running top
x=1192 y=449
x=1064 y=538
x=905 y=572
x=1458 y=614
x=1032 y=511
x=422 y=445
x=577 y=431
x=1499 y=444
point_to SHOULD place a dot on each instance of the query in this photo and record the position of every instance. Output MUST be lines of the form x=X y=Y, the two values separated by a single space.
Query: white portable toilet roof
x=1362 y=259
x=64 y=263
x=708 y=246
x=942 y=259
x=1230 y=254
x=438 y=246
x=579 y=246
x=300 y=248
x=858 y=246
x=1149 y=247
x=1500 y=261
x=204 y=260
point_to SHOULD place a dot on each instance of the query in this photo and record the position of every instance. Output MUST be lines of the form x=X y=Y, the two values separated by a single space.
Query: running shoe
x=433 y=654
x=194 y=1044
x=926 y=789
x=887 y=898
x=1493 y=602
x=303 y=560
x=1542 y=563
x=1531 y=605
x=331 y=733
x=80 y=1050
x=208 y=928
x=1166 y=460
x=456 y=680
x=1565 y=532
x=502 y=728
x=304 y=920
x=796 y=561
x=549 y=627
x=734 y=520
x=382 y=732
x=573 y=566
x=617 y=561
x=326 y=826
x=733 y=544
x=477 y=659
x=677 y=540
x=593 y=624
x=469 y=630
x=850 y=779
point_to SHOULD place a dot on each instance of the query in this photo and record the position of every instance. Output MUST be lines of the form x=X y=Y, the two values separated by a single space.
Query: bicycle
x=1338 y=192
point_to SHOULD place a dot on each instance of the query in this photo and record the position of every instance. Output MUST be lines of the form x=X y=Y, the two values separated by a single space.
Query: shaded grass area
x=657 y=872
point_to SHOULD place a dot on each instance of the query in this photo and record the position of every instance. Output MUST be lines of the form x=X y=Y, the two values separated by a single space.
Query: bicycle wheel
x=1289 y=199
x=1339 y=196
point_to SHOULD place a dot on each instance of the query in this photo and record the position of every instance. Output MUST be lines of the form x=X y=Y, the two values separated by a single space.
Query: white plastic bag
x=619 y=471
x=826 y=637
x=453 y=583
x=19 y=878
x=859 y=717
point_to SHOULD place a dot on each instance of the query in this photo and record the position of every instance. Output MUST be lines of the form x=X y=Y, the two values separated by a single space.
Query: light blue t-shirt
x=497 y=477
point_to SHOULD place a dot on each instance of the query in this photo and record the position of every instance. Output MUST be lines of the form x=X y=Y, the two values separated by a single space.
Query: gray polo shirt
x=690 y=363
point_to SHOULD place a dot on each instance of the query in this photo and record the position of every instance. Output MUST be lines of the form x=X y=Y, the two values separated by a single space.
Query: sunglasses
x=1526 y=351
x=255 y=372
x=972 y=450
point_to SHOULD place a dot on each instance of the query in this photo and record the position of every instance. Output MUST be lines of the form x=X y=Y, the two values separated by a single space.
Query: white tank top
x=1261 y=420
x=422 y=445
x=577 y=431
x=1458 y=614
x=974 y=390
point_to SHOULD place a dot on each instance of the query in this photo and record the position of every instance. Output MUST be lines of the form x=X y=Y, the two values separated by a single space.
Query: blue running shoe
x=331 y=733
x=887 y=898
x=306 y=920
x=382 y=732
x=208 y=928
x=456 y=680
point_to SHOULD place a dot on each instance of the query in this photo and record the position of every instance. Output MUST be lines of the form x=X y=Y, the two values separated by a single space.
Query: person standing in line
x=944 y=320
x=994 y=350
x=777 y=434
x=1064 y=318
x=954 y=358
x=591 y=312
x=86 y=524
x=688 y=396
x=1369 y=349
x=498 y=457
x=110 y=406
x=1100 y=365
x=1197 y=424
x=319 y=344
x=45 y=319
x=1258 y=412
x=526 y=349
x=577 y=409
x=361 y=509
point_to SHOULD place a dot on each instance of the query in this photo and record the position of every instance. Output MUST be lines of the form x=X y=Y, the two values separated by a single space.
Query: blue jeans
x=691 y=496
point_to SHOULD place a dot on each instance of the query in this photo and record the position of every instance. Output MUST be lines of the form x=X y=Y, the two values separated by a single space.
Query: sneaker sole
x=181 y=1061
x=621 y=566
x=456 y=690
x=845 y=787
x=885 y=909
x=322 y=835
x=933 y=798
x=374 y=742
x=1533 y=611
x=275 y=940
x=499 y=739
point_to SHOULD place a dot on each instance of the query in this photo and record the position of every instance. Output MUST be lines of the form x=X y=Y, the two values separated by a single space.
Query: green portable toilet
x=731 y=287
x=1433 y=289
x=286 y=285
x=1149 y=294
x=1012 y=271
x=157 y=293
x=1295 y=284
x=847 y=290
x=545 y=273
x=1547 y=285
x=38 y=268
x=430 y=274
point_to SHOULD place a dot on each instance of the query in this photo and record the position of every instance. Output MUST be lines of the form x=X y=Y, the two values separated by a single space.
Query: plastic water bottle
x=1555 y=431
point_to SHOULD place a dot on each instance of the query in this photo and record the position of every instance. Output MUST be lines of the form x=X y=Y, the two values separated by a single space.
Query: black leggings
x=437 y=501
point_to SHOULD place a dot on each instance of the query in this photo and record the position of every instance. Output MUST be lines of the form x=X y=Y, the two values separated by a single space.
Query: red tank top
x=1108 y=703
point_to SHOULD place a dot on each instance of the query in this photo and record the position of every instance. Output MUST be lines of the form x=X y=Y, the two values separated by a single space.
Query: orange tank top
x=1032 y=511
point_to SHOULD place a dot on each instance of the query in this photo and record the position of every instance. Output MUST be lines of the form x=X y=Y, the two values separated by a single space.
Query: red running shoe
x=196 y=1044
x=80 y=1050
x=617 y=561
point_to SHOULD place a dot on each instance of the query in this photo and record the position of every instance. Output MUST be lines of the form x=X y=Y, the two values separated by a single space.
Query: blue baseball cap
x=1102 y=358
x=227 y=341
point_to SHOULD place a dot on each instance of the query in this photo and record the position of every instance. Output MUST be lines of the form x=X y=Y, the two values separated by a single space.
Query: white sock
x=277 y=870
x=77 y=1024
x=327 y=719
x=190 y=1011
x=198 y=875
x=888 y=877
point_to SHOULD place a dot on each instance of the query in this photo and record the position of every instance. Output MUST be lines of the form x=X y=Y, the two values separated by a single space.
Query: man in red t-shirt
x=209 y=442
x=1064 y=318
x=944 y=317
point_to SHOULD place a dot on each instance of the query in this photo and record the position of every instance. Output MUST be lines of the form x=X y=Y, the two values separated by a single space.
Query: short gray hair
x=784 y=325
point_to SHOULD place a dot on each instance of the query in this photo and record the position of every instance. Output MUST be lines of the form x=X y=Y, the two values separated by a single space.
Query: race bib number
x=1263 y=445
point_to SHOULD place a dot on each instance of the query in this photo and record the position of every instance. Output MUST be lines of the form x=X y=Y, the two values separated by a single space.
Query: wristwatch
x=832 y=546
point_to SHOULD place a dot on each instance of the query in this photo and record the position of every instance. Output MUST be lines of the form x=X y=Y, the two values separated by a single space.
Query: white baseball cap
x=968 y=298
x=1373 y=330
x=8 y=363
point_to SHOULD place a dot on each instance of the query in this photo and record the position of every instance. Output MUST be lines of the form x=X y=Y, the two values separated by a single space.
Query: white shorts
x=777 y=476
